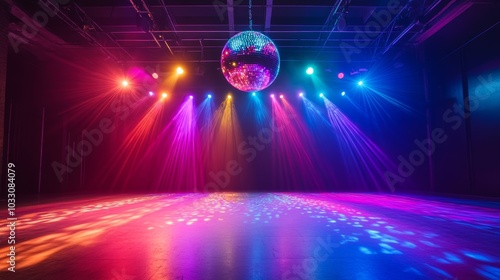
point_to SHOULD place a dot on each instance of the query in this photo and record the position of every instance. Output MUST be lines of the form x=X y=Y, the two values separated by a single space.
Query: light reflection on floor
x=258 y=236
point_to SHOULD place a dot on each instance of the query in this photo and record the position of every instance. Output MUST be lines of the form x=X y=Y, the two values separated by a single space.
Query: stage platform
x=257 y=236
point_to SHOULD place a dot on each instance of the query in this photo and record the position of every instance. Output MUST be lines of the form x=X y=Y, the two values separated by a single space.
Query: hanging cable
x=250 y=14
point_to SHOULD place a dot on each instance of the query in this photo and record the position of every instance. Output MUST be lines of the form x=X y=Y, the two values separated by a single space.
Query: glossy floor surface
x=256 y=236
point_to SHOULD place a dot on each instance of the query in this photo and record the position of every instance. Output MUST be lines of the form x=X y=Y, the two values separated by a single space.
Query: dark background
x=430 y=78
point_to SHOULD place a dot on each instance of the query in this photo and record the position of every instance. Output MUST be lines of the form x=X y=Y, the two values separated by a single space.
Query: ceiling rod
x=151 y=17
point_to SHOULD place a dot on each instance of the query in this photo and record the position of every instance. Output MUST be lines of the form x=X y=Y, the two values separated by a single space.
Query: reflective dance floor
x=256 y=236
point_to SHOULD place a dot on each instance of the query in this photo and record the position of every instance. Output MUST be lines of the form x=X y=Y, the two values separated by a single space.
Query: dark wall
x=465 y=98
x=41 y=96
x=76 y=92
x=23 y=120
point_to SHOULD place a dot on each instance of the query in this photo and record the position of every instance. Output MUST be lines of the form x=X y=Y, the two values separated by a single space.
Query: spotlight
x=301 y=94
x=164 y=95
x=340 y=75
x=281 y=96
x=310 y=71
x=321 y=95
x=180 y=71
x=151 y=93
x=229 y=96
x=360 y=83
x=155 y=75
x=253 y=93
x=190 y=97
x=272 y=95
x=343 y=93
x=209 y=96
x=124 y=83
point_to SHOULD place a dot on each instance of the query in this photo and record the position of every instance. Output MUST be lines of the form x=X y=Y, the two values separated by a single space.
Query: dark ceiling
x=162 y=31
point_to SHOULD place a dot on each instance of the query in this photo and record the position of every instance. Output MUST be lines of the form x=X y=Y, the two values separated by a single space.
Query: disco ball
x=250 y=61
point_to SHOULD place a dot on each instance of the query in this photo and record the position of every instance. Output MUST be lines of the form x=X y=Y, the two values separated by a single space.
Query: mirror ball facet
x=250 y=61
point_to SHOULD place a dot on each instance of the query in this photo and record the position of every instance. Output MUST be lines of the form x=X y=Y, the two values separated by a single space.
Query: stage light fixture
x=190 y=97
x=360 y=83
x=340 y=75
x=321 y=95
x=281 y=96
x=151 y=93
x=310 y=71
x=164 y=95
x=343 y=93
x=124 y=83
x=272 y=95
x=209 y=96
x=253 y=94
x=229 y=96
x=180 y=71
x=301 y=94
x=155 y=75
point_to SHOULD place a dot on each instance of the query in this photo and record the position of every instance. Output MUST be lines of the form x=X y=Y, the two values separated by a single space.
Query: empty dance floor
x=257 y=236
